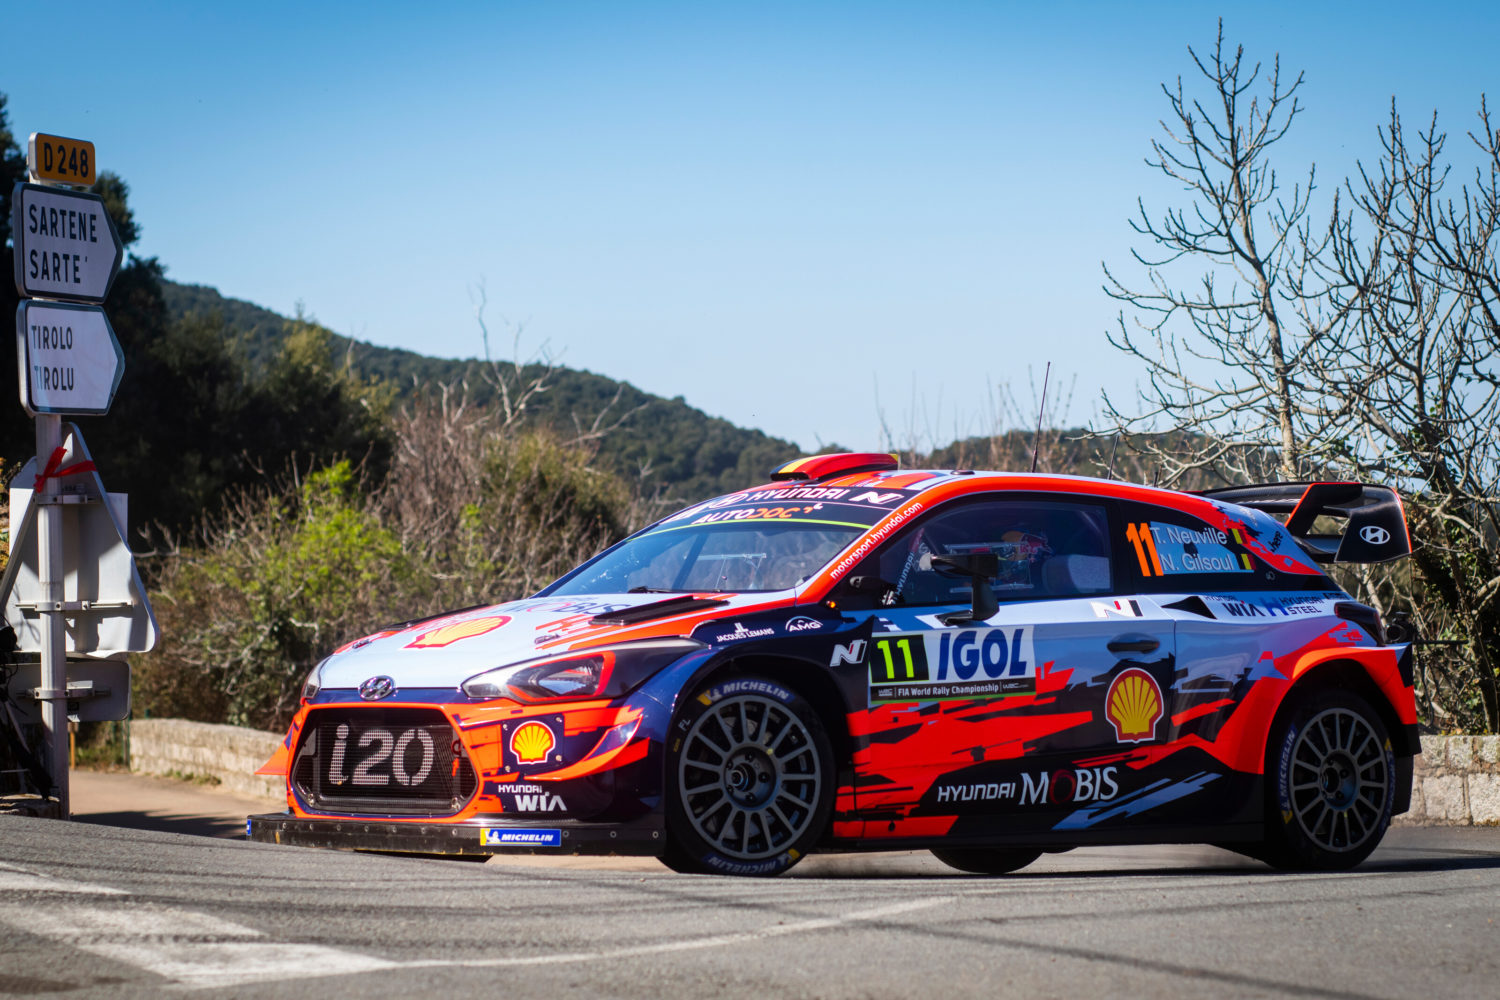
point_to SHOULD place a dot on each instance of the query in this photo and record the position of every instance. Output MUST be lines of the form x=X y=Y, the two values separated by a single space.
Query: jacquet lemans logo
x=741 y=632
x=376 y=688
x=1374 y=534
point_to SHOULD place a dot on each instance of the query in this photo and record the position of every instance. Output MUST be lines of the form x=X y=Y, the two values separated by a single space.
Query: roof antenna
x=1110 y=472
x=1036 y=440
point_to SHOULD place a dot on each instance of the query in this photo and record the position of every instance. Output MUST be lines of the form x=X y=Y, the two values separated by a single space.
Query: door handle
x=1134 y=644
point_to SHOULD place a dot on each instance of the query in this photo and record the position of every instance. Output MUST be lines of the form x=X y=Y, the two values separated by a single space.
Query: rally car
x=858 y=657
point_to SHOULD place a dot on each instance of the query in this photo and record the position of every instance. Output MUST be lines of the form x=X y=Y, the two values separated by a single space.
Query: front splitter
x=479 y=836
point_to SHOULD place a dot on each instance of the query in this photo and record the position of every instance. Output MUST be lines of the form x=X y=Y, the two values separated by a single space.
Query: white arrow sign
x=70 y=359
x=65 y=242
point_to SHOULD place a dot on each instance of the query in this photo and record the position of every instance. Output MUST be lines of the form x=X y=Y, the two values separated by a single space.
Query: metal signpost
x=67 y=254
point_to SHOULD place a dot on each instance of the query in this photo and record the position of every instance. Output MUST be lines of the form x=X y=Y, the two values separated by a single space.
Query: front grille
x=382 y=760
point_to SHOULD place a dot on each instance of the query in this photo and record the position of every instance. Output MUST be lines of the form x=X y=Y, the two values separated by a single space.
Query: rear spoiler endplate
x=1375 y=532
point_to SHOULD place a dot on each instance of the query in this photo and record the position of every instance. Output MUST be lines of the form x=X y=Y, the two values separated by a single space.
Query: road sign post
x=67 y=254
x=54 y=657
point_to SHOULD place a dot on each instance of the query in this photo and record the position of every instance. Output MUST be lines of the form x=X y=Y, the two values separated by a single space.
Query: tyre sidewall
x=686 y=850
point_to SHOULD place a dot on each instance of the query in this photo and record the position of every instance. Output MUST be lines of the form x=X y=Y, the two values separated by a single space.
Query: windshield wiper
x=651 y=590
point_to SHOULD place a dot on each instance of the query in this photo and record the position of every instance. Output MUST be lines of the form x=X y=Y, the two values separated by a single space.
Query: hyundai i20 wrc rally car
x=858 y=657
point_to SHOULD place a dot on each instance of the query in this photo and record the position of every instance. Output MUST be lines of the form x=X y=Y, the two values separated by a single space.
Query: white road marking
x=193 y=949
x=198 y=951
x=14 y=879
x=689 y=944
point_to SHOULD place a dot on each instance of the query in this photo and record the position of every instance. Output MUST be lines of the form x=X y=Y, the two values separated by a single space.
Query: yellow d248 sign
x=54 y=158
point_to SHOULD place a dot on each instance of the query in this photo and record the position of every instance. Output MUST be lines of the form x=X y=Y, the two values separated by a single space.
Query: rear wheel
x=1330 y=784
x=987 y=860
x=750 y=780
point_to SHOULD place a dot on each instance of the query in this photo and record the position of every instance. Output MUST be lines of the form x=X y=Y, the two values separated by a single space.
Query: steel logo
x=1374 y=534
x=376 y=688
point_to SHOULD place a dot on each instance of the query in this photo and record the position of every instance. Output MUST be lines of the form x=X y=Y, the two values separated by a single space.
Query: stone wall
x=1457 y=782
x=181 y=749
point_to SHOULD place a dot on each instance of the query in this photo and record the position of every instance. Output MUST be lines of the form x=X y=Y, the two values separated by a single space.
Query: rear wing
x=1376 y=524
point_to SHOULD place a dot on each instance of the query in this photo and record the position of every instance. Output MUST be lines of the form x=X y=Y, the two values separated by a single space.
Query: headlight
x=314 y=682
x=607 y=672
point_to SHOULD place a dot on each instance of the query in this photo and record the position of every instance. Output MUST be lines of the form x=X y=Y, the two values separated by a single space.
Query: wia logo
x=540 y=803
x=535 y=799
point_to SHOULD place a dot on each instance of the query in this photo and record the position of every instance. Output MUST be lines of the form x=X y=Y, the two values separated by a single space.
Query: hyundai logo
x=1374 y=534
x=377 y=688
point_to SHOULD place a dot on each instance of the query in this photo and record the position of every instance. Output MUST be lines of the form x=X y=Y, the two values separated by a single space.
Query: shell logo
x=445 y=635
x=1133 y=706
x=532 y=742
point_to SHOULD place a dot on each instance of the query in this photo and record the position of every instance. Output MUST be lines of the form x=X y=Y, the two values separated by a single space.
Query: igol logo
x=1374 y=534
x=377 y=688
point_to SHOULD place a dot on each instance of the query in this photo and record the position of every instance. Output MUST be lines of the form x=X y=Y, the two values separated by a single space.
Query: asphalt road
x=89 y=909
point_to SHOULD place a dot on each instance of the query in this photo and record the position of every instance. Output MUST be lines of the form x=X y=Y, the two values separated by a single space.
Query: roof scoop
x=842 y=463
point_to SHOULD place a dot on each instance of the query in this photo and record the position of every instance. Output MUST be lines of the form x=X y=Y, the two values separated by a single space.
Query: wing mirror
x=979 y=567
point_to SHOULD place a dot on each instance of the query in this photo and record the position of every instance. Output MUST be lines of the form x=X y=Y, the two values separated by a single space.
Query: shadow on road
x=198 y=826
x=1451 y=849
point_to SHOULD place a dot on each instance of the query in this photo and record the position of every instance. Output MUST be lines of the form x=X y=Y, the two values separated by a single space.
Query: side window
x=1168 y=550
x=1044 y=548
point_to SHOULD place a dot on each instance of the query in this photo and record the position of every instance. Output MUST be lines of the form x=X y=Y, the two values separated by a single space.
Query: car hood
x=444 y=651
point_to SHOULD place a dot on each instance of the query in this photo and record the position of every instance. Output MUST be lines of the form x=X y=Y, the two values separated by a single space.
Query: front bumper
x=644 y=837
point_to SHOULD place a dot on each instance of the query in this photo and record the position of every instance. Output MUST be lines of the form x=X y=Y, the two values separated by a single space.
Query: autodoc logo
x=1374 y=534
x=376 y=688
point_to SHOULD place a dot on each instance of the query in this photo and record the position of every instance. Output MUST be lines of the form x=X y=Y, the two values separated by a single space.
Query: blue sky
x=804 y=217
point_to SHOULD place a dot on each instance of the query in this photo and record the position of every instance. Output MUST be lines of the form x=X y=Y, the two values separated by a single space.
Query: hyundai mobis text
x=857 y=657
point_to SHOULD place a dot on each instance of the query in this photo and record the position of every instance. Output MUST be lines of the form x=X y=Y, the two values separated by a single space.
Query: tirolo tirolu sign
x=71 y=361
x=66 y=246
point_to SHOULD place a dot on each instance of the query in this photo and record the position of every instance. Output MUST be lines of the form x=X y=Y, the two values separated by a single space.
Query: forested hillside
x=664 y=444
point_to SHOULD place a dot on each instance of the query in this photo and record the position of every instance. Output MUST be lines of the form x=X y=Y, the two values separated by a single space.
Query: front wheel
x=986 y=860
x=1330 y=784
x=750 y=780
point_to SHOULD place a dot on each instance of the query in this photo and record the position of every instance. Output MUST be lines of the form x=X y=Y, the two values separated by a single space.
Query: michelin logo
x=495 y=837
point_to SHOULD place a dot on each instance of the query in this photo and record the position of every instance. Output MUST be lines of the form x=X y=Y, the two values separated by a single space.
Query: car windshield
x=712 y=557
x=764 y=539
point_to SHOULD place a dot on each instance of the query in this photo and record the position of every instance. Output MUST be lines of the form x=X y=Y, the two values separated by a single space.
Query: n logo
x=854 y=652
x=870 y=496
